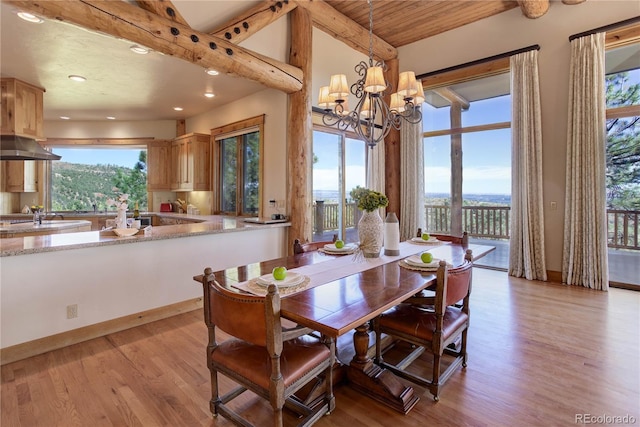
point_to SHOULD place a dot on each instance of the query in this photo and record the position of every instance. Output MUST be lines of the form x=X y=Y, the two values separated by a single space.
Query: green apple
x=339 y=244
x=279 y=273
x=425 y=236
x=426 y=257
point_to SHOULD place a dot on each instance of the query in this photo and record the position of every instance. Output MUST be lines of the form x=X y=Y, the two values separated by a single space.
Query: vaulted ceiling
x=147 y=87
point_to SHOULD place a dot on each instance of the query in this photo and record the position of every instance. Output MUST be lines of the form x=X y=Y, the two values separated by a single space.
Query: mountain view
x=78 y=186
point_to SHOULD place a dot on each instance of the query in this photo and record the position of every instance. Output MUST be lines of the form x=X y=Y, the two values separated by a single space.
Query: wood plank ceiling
x=405 y=21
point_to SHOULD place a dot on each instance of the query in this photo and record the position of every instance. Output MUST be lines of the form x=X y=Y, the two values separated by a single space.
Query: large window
x=237 y=150
x=86 y=176
x=467 y=157
x=339 y=165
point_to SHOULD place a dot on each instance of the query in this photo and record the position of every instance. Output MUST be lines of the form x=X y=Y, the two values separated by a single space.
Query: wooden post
x=319 y=219
x=456 y=170
x=392 y=149
x=300 y=144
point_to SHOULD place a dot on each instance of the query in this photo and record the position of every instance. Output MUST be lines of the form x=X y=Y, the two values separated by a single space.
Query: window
x=472 y=120
x=238 y=167
x=85 y=177
x=339 y=165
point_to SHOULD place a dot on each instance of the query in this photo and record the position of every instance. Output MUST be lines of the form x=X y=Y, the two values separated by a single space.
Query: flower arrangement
x=36 y=208
x=120 y=201
x=368 y=200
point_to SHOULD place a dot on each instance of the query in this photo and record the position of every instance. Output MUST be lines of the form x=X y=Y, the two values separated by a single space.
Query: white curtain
x=584 y=260
x=375 y=171
x=526 y=246
x=412 y=214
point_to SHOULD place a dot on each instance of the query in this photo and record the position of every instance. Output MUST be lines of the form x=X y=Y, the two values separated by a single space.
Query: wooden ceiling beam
x=123 y=20
x=164 y=8
x=534 y=8
x=337 y=25
x=453 y=97
x=253 y=20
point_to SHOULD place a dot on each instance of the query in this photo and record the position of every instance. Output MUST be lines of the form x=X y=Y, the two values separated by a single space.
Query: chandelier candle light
x=372 y=118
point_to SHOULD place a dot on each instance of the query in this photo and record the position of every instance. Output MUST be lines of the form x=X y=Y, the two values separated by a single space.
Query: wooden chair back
x=299 y=247
x=458 y=240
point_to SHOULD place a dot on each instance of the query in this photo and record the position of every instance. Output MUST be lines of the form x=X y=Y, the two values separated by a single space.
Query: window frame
x=86 y=143
x=237 y=129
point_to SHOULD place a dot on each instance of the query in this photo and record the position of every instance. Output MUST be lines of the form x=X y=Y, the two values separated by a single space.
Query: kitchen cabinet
x=22 y=109
x=191 y=162
x=19 y=176
x=159 y=166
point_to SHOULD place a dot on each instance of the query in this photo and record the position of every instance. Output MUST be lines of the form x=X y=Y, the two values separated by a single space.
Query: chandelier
x=371 y=119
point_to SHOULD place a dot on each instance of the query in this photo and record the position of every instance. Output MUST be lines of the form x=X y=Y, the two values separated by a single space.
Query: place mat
x=405 y=264
x=430 y=242
x=330 y=252
x=258 y=289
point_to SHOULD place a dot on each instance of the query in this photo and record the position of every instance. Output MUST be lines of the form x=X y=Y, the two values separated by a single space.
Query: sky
x=107 y=156
x=486 y=155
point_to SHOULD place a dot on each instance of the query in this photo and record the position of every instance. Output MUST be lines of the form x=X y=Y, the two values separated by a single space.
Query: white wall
x=273 y=104
x=510 y=31
x=158 y=129
x=108 y=282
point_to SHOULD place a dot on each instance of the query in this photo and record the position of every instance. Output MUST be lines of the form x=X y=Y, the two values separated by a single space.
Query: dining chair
x=431 y=324
x=459 y=240
x=299 y=247
x=262 y=356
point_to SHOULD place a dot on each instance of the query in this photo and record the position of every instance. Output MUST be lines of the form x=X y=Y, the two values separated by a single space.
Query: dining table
x=340 y=292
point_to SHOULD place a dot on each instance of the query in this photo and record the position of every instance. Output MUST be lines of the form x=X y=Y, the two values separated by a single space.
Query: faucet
x=95 y=208
x=37 y=219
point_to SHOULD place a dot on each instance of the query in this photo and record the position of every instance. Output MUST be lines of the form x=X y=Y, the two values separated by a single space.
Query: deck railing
x=480 y=221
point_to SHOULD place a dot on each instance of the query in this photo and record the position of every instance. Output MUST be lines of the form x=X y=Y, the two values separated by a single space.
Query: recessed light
x=110 y=118
x=64 y=117
x=77 y=78
x=29 y=17
x=211 y=72
x=178 y=108
x=139 y=49
x=209 y=94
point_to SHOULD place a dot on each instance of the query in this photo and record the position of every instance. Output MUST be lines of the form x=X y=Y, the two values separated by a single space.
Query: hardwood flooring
x=539 y=354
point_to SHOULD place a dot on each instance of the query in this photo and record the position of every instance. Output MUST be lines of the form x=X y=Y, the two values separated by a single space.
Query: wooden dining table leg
x=374 y=381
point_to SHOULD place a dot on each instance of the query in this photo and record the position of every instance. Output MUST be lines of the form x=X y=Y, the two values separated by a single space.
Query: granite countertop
x=30 y=227
x=210 y=224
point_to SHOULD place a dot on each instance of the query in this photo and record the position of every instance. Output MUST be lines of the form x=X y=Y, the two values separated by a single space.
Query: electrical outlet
x=554 y=206
x=272 y=203
x=72 y=311
x=281 y=203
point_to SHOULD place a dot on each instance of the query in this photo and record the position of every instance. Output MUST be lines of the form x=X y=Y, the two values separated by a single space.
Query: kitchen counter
x=210 y=224
x=113 y=282
x=24 y=229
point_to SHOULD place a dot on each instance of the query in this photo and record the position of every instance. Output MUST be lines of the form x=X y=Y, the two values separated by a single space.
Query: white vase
x=121 y=218
x=370 y=228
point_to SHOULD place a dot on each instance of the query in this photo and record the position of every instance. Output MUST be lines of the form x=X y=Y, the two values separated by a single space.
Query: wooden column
x=299 y=146
x=456 y=170
x=392 y=148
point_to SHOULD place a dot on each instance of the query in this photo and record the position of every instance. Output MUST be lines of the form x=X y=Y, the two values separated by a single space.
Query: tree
x=623 y=145
x=134 y=183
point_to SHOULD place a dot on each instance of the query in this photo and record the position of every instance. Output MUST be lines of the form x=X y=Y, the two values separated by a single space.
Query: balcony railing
x=479 y=221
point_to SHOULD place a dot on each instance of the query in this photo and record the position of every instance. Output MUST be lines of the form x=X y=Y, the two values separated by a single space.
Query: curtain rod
x=480 y=61
x=605 y=28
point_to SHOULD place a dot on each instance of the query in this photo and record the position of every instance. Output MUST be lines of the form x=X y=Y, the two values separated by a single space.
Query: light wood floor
x=539 y=354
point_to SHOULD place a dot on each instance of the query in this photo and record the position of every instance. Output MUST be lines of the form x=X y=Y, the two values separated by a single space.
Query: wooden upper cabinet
x=159 y=166
x=191 y=162
x=22 y=109
x=20 y=176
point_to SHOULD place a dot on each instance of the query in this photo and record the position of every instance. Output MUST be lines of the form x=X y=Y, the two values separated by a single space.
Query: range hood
x=14 y=147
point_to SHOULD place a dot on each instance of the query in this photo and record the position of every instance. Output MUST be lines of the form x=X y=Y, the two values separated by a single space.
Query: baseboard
x=64 y=339
x=554 y=276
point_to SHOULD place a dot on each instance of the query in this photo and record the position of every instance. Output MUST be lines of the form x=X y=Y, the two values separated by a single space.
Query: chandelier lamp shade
x=371 y=118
